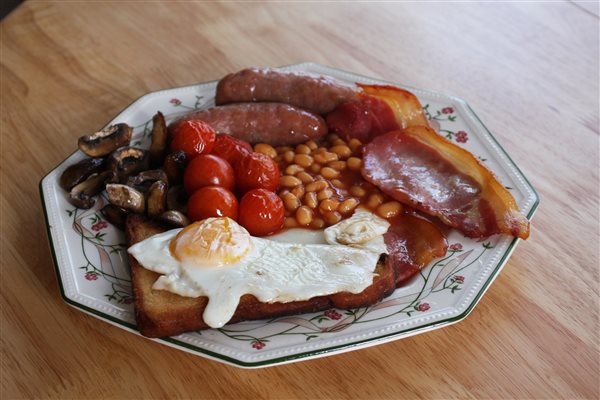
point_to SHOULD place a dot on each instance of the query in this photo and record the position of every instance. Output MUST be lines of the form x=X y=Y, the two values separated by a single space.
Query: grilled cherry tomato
x=212 y=201
x=256 y=171
x=261 y=212
x=231 y=149
x=194 y=137
x=208 y=170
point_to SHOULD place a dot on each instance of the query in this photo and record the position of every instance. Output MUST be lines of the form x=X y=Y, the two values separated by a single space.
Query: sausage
x=274 y=123
x=317 y=94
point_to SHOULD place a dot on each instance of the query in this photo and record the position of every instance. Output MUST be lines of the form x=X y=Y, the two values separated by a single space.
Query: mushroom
x=115 y=215
x=177 y=199
x=157 y=198
x=158 y=145
x=174 y=218
x=79 y=172
x=127 y=161
x=105 y=141
x=126 y=197
x=174 y=166
x=145 y=179
x=81 y=195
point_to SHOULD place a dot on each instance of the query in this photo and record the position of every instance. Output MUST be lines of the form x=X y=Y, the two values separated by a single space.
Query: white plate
x=93 y=274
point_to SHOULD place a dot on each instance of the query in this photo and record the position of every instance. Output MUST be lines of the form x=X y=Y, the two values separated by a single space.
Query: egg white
x=272 y=271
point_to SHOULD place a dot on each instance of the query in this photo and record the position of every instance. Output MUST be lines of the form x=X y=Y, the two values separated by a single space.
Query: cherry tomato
x=208 y=170
x=261 y=212
x=256 y=171
x=212 y=201
x=231 y=149
x=194 y=137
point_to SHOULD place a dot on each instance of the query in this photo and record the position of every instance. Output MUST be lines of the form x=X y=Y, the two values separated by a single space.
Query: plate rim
x=330 y=350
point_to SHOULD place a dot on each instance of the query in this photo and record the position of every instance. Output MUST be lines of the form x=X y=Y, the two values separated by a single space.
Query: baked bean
x=317 y=223
x=348 y=205
x=310 y=199
x=324 y=194
x=316 y=186
x=293 y=169
x=329 y=205
x=305 y=177
x=329 y=173
x=354 y=163
x=265 y=149
x=298 y=191
x=311 y=145
x=303 y=149
x=339 y=165
x=357 y=191
x=354 y=145
x=315 y=168
x=290 y=202
x=342 y=150
x=319 y=150
x=304 y=215
x=283 y=149
x=331 y=137
x=389 y=209
x=338 y=184
x=325 y=157
x=374 y=200
x=290 y=222
x=289 y=181
x=332 y=217
x=288 y=156
x=303 y=160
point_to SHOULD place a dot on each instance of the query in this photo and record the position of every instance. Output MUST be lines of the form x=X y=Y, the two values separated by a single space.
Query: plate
x=93 y=274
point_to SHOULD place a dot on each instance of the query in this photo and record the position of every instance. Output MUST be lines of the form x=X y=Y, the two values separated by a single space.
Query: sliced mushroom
x=157 y=198
x=82 y=194
x=80 y=171
x=174 y=218
x=126 y=197
x=174 y=166
x=105 y=141
x=127 y=161
x=145 y=179
x=115 y=215
x=177 y=199
x=158 y=145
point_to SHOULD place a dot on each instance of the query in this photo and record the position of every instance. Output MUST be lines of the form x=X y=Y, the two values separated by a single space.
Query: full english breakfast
x=294 y=193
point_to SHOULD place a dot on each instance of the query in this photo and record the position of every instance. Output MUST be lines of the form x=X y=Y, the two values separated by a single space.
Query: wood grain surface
x=530 y=70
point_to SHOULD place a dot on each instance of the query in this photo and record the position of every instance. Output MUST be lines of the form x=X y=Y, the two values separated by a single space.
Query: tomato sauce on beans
x=321 y=183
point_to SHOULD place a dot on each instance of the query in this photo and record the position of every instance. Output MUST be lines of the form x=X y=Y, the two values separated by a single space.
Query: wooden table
x=529 y=70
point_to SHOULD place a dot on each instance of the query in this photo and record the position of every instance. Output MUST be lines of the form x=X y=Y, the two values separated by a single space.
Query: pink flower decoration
x=99 y=225
x=423 y=307
x=459 y=278
x=91 y=276
x=456 y=247
x=258 y=344
x=447 y=110
x=462 y=137
x=332 y=314
x=175 y=102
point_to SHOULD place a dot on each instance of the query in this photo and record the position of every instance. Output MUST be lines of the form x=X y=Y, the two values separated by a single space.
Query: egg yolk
x=212 y=242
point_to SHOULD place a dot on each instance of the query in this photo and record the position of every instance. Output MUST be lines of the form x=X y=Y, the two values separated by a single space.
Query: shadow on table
x=6 y=6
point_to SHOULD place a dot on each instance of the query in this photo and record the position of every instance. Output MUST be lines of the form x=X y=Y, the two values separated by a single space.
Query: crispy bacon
x=412 y=243
x=420 y=168
x=405 y=106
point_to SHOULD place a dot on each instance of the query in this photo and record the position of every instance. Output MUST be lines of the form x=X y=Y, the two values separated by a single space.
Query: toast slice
x=160 y=313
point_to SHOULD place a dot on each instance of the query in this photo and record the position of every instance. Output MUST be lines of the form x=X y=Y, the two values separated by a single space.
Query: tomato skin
x=194 y=137
x=231 y=149
x=256 y=171
x=261 y=212
x=208 y=170
x=212 y=201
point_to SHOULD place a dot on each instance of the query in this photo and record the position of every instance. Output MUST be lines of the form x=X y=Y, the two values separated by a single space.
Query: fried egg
x=219 y=259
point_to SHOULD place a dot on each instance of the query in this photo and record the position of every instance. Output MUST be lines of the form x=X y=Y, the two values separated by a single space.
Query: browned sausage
x=317 y=94
x=273 y=123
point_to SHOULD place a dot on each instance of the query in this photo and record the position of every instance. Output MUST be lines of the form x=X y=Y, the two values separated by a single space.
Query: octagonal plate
x=93 y=273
